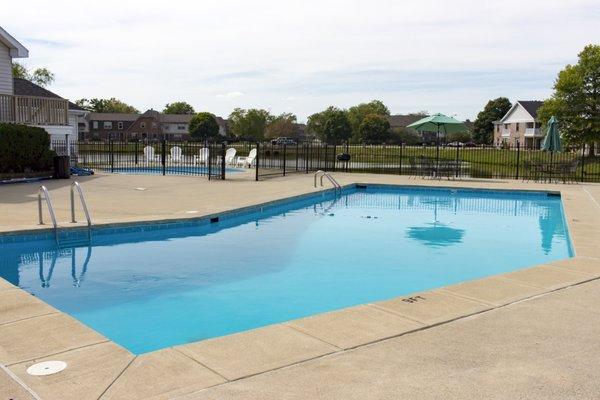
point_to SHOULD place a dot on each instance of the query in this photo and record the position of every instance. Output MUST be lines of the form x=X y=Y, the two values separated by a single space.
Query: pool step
x=72 y=239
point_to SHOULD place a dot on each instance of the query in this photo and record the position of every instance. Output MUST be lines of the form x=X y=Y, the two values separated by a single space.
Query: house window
x=181 y=127
x=530 y=125
x=119 y=125
x=154 y=124
x=505 y=126
x=517 y=127
x=144 y=136
x=95 y=124
x=107 y=125
x=142 y=124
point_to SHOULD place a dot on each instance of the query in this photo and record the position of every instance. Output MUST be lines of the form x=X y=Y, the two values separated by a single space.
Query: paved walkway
x=530 y=334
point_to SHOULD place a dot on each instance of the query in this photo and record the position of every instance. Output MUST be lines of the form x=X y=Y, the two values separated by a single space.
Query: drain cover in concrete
x=46 y=368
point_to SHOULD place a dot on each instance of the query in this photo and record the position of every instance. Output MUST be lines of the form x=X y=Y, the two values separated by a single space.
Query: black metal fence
x=268 y=159
x=163 y=158
x=452 y=162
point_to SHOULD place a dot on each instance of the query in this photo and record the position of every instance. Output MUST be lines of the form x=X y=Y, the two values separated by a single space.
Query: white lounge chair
x=246 y=161
x=230 y=156
x=176 y=154
x=149 y=154
x=202 y=156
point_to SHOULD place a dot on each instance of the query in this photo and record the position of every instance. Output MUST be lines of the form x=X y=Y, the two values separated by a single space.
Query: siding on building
x=6 y=80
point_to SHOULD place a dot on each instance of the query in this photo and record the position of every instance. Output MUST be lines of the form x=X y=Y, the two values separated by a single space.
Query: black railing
x=163 y=157
x=269 y=159
x=452 y=162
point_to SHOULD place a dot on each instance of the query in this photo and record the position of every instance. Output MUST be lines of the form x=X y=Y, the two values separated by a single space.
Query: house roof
x=23 y=87
x=403 y=120
x=94 y=116
x=17 y=50
x=531 y=106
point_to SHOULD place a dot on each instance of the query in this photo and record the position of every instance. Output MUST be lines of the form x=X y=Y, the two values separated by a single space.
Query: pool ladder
x=66 y=242
x=323 y=174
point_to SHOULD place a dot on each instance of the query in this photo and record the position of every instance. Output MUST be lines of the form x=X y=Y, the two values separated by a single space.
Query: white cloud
x=231 y=95
x=448 y=56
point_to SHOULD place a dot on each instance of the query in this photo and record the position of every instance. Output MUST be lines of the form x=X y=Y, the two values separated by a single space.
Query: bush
x=24 y=149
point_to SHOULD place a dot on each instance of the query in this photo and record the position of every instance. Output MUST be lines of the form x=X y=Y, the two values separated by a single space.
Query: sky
x=303 y=56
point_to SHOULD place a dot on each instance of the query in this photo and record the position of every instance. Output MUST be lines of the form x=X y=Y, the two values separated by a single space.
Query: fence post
x=582 y=163
x=347 y=152
x=163 y=155
x=297 y=156
x=284 y=157
x=456 y=167
x=223 y=150
x=518 y=158
x=257 y=160
x=325 y=156
x=400 y=161
x=137 y=141
x=334 y=156
x=306 y=155
x=112 y=154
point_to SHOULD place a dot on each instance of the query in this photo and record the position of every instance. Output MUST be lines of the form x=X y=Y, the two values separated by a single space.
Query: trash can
x=61 y=167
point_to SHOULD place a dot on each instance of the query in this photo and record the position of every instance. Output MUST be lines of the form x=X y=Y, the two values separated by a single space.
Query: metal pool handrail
x=83 y=203
x=43 y=190
x=331 y=179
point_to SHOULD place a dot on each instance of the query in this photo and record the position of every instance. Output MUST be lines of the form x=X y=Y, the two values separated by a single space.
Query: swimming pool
x=170 y=170
x=152 y=286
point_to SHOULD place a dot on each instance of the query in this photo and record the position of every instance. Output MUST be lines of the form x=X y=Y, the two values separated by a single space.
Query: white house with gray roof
x=520 y=124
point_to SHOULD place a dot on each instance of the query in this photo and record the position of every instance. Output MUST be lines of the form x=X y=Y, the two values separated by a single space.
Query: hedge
x=24 y=149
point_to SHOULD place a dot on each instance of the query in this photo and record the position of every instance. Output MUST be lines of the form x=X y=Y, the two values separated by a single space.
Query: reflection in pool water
x=160 y=287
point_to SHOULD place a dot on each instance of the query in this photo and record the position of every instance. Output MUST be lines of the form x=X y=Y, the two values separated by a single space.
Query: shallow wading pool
x=151 y=286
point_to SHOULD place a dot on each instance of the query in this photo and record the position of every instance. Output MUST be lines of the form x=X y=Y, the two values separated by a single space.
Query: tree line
x=575 y=102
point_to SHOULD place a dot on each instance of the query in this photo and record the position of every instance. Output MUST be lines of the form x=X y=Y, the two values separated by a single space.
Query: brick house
x=151 y=125
x=520 y=124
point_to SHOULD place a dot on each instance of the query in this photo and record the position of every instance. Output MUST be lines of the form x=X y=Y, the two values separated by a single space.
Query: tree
x=357 y=114
x=39 y=76
x=374 y=129
x=283 y=125
x=111 y=105
x=330 y=125
x=483 y=127
x=179 y=107
x=249 y=124
x=204 y=126
x=463 y=137
x=576 y=100
x=404 y=135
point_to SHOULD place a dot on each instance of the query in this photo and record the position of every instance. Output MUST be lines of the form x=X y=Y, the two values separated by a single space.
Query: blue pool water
x=172 y=169
x=161 y=286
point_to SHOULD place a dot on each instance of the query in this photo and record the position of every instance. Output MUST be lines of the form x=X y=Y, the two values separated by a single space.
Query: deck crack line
x=118 y=376
x=200 y=363
x=28 y=318
x=312 y=336
x=19 y=382
x=591 y=197
x=57 y=353
x=425 y=327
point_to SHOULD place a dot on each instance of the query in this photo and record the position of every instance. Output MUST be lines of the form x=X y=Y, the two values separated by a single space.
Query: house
x=151 y=125
x=24 y=102
x=520 y=125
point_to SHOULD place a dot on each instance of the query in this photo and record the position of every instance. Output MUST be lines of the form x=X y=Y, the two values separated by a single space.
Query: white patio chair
x=150 y=155
x=176 y=154
x=202 y=156
x=230 y=156
x=246 y=162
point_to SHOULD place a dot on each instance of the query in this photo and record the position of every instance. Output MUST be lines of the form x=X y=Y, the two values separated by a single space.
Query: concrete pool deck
x=532 y=333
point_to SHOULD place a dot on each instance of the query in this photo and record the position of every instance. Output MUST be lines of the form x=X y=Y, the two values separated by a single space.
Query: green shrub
x=24 y=149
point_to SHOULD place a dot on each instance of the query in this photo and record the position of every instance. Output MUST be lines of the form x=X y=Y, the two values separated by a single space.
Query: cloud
x=413 y=54
x=231 y=95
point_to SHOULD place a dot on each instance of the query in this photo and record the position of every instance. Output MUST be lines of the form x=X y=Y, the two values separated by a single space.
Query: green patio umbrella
x=439 y=123
x=552 y=139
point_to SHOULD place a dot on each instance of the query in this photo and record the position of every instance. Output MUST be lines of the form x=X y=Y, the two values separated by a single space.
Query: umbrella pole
x=437 y=151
